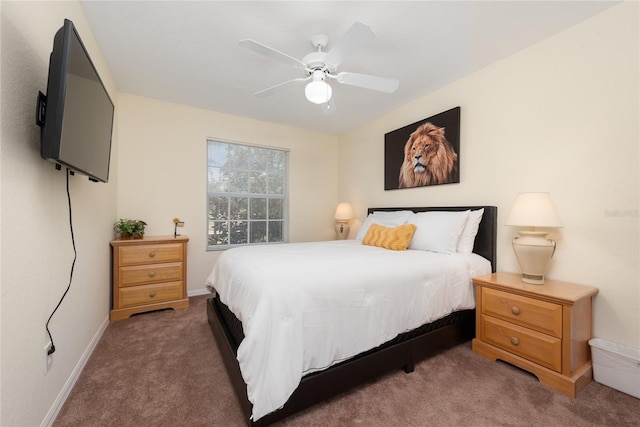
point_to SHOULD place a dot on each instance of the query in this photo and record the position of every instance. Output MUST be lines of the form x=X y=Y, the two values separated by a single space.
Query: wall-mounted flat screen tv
x=76 y=115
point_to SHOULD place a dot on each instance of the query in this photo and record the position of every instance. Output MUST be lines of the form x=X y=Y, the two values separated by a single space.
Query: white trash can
x=616 y=365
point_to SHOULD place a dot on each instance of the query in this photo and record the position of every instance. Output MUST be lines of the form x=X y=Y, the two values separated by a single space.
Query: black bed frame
x=401 y=352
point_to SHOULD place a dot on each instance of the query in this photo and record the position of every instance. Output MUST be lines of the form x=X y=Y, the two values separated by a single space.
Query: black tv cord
x=75 y=255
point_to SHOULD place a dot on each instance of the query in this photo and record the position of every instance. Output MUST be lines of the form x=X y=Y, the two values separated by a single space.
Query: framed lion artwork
x=423 y=153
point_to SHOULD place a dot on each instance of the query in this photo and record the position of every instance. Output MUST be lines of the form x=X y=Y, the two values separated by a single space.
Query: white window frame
x=212 y=168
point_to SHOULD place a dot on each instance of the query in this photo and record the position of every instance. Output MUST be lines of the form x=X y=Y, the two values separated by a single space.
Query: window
x=246 y=194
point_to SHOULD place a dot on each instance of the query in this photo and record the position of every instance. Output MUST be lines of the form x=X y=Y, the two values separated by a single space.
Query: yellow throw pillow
x=396 y=238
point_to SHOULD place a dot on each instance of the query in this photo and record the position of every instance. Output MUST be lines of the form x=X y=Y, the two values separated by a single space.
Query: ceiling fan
x=320 y=66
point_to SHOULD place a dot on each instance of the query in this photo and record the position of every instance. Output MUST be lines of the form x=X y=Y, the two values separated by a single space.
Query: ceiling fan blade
x=366 y=81
x=270 y=90
x=271 y=53
x=356 y=37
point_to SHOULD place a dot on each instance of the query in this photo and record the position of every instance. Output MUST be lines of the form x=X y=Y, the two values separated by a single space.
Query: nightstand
x=149 y=274
x=543 y=329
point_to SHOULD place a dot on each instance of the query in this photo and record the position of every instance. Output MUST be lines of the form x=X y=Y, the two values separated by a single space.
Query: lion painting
x=428 y=158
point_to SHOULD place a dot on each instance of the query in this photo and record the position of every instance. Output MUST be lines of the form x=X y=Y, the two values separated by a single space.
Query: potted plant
x=130 y=228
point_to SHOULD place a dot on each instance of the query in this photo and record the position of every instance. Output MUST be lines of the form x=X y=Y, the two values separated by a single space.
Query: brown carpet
x=164 y=369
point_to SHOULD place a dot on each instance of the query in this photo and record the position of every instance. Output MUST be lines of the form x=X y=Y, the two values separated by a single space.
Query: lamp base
x=533 y=279
x=533 y=251
x=342 y=230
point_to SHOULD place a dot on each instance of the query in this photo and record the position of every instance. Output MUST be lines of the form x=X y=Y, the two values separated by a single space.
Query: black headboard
x=485 y=244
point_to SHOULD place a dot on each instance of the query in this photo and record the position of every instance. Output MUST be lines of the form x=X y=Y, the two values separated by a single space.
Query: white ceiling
x=188 y=53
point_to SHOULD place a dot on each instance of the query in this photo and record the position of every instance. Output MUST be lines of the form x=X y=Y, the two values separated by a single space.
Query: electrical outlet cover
x=48 y=359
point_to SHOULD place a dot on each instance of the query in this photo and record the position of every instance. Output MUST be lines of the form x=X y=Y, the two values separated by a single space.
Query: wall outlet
x=48 y=358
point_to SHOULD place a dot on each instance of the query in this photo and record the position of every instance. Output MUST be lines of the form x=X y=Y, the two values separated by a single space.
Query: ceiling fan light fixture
x=320 y=65
x=318 y=92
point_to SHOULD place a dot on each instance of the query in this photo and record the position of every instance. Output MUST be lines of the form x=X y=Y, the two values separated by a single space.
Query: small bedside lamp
x=344 y=212
x=533 y=250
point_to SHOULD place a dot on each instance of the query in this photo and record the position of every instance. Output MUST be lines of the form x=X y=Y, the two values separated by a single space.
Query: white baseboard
x=68 y=386
x=197 y=292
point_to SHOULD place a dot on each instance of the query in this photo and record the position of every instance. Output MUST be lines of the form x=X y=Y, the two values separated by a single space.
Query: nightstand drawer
x=539 y=348
x=539 y=315
x=152 y=273
x=147 y=254
x=150 y=294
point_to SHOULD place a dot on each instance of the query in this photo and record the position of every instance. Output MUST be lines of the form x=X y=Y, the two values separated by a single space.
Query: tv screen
x=76 y=115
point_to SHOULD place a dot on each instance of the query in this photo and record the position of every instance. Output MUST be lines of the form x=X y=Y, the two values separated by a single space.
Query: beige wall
x=163 y=172
x=561 y=116
x=36 y=244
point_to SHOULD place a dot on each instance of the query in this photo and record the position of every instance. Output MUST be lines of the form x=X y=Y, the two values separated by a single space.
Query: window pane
x=258 y=231
x=259 y=158
x=238 y=181
x=238 y=232
x=275 y=231
x=238 y=208
x=217 y=153
x=219 y=207
x=275 y=209
x=258 y=183
x=275 y=182
x=276 y=160
x=238 y=156
x=218 y=233
x=218 y=180
x=258 y=208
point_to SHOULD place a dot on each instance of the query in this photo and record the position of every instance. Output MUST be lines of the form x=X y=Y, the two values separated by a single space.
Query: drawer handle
x=152 y=254
x=152 y=274
x=515 y=341
x=515 y=310
x=152 y=294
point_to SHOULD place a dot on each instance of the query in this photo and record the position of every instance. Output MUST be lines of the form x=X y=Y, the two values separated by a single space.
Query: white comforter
x=306 y=306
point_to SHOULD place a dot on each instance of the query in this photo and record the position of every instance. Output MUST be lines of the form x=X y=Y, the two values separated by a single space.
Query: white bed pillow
x=437 y=231
x=468 y=236
x=384 y=218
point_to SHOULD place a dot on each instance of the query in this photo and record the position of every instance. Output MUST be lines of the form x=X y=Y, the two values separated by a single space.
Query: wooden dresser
x=149 y=274
x=543 y=329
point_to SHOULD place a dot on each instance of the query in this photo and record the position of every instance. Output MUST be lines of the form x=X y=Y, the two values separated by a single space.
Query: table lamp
x=533 y=250
x=344 y=213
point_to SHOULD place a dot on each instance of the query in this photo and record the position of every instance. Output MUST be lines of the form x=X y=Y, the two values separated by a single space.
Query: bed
x=323 y=380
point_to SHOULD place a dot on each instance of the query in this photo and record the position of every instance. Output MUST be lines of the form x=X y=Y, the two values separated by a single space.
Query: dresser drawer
x=539 y=315
x=150 y=294
x=151 y=273
x=539 y=348
x=147 y=254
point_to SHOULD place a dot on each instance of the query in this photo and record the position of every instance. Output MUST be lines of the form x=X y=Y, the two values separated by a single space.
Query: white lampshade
x=318 y=92
x=533 y=210
x=344 y=212
x=533 y=250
